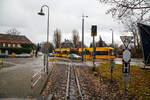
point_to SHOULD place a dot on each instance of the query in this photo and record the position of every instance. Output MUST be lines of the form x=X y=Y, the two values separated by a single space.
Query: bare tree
x=57 y=38
x=130 y=12
x=13 y=31
x=75 y=38
x=124 y=8
x=131 y=26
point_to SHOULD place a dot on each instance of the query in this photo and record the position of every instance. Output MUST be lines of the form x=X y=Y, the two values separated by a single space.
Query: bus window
x=64 y=52
x=57 y=52
x=101 y=52
x=87 y=52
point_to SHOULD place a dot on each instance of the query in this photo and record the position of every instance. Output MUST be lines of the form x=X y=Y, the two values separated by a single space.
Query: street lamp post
x=83 y=16
x=112 y=38
x=42 y=14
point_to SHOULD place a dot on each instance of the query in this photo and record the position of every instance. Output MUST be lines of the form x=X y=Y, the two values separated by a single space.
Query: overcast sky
x=65 y=15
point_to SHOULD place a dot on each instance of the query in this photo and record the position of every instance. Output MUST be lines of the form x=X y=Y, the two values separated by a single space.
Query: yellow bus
x=100 y=52
x=104 y=52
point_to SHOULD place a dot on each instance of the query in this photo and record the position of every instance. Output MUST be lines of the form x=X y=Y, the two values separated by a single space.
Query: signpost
x=112 y=64
x=126 y=61
x=94 y=33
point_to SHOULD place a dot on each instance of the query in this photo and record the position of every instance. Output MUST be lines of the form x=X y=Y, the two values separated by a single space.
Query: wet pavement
x=134 y=61
x=15 y=79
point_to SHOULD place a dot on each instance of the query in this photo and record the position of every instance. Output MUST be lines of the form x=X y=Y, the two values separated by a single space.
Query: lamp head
x=41 y=12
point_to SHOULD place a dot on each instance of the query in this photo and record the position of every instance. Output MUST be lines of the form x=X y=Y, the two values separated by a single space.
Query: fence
x=36 y=77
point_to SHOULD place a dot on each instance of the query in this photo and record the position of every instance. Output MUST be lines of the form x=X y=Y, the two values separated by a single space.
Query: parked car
x=40 y=53
x=24 y=55
x=51 y=55
x=119 y=56
x=74 y=56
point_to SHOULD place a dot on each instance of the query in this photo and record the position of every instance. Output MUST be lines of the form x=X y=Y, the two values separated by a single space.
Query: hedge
x=18 y=50
x=27 y=45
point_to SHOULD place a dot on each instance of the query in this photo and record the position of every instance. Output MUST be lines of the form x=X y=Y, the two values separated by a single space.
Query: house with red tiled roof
x=13 y=44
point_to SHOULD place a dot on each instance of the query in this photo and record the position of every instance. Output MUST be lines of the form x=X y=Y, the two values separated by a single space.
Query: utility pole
x=112 y=38
x=83 y=16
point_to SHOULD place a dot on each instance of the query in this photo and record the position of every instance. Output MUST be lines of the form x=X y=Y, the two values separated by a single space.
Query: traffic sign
x=126 y=40
x=126 y=55
x=126 y=67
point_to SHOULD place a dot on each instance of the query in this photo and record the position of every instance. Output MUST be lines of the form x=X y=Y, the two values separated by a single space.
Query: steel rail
x=78 y=85
x=68 y=82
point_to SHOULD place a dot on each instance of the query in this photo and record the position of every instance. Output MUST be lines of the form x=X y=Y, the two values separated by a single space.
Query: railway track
x=67 y=82
x=73 y=90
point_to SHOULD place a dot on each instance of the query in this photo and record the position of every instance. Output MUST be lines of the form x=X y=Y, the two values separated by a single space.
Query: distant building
x=67 y=44
x=79 y=45
x=10 y=42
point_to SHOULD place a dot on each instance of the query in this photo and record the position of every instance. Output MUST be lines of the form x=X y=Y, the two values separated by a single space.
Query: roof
x=8 y=38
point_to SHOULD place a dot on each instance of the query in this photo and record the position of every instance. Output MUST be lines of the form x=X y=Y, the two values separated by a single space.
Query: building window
x=3 y=44
x=13 y=45
x=9 y=45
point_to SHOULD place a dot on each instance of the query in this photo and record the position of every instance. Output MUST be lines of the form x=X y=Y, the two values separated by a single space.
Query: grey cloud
x=64 y=14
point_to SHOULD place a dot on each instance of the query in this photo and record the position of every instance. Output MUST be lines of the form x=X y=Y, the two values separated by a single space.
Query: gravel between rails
x=73 y=91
